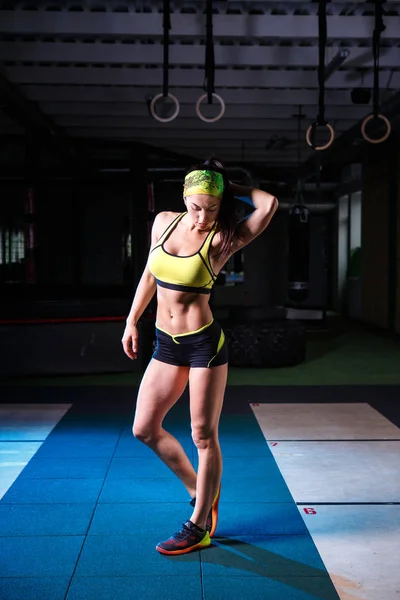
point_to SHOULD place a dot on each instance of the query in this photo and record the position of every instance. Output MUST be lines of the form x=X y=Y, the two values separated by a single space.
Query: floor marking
x=350 y=503
x=342 y=472
x=17 y=419
x=323 y=421
x=337 y=441
x=20 y=441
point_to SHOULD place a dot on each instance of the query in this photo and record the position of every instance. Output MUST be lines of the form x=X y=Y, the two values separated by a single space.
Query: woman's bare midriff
x=182 y=312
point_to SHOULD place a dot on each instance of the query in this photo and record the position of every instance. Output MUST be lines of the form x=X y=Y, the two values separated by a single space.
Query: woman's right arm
x=143 y=295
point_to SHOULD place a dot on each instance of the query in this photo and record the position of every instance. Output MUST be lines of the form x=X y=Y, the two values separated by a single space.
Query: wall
x=80 y=231
x=70 y=348
x=397 y=316
x=57 y=232
x=103 y=210
x=265 y=261
x=320 y=254
x=381 y=235
x=375 y=242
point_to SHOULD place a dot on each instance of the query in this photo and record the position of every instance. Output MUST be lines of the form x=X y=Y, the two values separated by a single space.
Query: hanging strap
x=379 y=28
x=299 y=116
x=317 y=165
x=299 y=185
x=322 y=37
x=210 y=59
x=167 y=27
x=165 y=93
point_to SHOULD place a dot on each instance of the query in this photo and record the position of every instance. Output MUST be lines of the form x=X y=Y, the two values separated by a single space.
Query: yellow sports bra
x=183 y=273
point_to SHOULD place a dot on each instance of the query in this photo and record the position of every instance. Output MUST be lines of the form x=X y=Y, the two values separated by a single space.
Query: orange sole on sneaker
x=203 y=544
x=214 y=510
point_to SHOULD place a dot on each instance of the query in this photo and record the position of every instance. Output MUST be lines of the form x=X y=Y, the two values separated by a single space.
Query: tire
x=266 y=344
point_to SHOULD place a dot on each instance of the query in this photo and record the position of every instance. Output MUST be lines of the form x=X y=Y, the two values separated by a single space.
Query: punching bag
x=299 y=253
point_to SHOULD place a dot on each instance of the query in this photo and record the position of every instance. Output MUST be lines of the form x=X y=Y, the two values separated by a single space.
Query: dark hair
x=227 y=221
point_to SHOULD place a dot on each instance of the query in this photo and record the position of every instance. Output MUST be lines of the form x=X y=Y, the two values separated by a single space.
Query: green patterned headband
x=204 y=182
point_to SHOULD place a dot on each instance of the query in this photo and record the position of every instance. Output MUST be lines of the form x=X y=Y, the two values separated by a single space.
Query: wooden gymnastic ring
x=212 y=119
x=166 y=119
x=329 y=142
x=384 y=137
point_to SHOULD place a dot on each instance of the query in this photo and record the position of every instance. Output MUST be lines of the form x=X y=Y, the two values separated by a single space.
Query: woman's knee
x=204 y=437
x=145 y=433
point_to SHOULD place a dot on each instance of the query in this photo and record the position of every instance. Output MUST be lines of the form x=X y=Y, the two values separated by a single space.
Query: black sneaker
x=212 y=518
x=189 y=538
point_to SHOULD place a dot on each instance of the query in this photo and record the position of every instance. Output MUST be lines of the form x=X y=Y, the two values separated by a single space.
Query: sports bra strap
x=204 y=250
x=168 y=230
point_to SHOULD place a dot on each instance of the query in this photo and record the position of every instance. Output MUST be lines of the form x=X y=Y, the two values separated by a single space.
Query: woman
x=187 y=252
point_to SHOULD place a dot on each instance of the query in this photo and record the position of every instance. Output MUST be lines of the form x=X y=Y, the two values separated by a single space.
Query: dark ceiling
x=83 y=74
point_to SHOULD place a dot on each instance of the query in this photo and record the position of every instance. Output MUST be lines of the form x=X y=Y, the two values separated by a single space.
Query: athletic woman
x=187 y=252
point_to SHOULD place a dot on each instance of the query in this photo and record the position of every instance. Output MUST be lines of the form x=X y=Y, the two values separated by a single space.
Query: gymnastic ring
x=329 y=142
x=218 y=116
x=166 y=119
x=384 y=137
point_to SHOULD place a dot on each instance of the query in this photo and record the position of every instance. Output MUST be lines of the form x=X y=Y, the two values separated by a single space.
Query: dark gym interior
x=104 y=106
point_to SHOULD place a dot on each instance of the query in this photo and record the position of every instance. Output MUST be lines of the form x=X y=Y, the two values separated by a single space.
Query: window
x=355 y=221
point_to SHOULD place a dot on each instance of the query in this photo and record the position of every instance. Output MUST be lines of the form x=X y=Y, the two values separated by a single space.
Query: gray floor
x=341 y=464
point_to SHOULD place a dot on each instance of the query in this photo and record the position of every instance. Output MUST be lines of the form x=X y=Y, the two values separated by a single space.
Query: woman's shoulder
x=163 y=219
x=166 y=217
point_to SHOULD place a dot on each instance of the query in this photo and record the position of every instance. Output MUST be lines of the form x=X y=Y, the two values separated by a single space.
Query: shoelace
x=180 y=535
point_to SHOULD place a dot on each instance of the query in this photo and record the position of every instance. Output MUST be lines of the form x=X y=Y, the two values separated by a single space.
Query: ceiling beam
x=265 y=97
x=9 y=125
x=234 y=78
x=155 y=135
x=221 y=144
x=33 y=122
x=208 y=149
x=227 y=26
x=193 y=125
x=239 y=157
x=191 y=55
x=41 y=128
x=192 y=146
x=232 y=111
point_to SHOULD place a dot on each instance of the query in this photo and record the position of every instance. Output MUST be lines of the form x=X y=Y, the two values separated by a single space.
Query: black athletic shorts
x=203 y=348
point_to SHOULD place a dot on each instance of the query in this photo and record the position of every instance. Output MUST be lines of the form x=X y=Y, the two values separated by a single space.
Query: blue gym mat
x=82 y=519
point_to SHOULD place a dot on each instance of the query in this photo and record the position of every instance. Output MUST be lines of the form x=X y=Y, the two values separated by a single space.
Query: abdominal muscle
x=182 y=312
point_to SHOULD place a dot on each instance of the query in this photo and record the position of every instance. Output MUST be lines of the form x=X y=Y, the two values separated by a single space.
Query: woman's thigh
x=207 y=389
x=160 y=388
